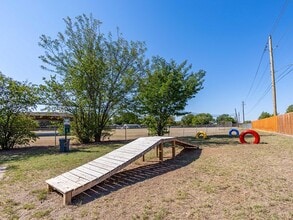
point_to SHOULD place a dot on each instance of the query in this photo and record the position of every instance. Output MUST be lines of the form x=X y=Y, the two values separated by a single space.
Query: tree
x=95 y=75
x=265 y=115
x=171 y=121
x=202 y=119
x=187 y=119
x=289 y=109
x=16 y=99
x=165 y=90
x=224 y=118
x=126 y=118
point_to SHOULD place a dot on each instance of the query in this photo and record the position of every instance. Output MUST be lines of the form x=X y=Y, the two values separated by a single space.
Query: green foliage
x=16 y=99
x=126 y=118
x=187 y=119
x=198 y=119
x=224 y=118
x=202 y=119
x=166 y=90
x=150 y=122
x=289 y=109
x=171 y=121
x=265 y=115
x=95 y=74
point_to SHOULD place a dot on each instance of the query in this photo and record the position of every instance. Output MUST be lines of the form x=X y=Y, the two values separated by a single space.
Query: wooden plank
x=94 y=169
x=89 y=170
x=115 y=158
x=108 y=162
x=124 y=155
x=121 y=155
x=130 y=151
x=74 y=178
x=62 y=184
x=82 y=174
x=98 y=166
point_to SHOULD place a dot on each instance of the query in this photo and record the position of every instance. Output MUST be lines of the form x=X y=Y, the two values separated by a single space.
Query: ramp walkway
x=86 y=176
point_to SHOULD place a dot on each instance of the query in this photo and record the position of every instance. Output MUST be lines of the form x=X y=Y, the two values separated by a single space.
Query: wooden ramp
x=84 y=177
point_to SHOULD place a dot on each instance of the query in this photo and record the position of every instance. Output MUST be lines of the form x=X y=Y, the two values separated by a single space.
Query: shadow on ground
x=212 y=140
x=218 y=140
x=23 y=153
x=136 y=175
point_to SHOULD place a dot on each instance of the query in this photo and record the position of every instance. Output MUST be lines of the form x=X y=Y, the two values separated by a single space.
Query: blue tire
x=235 y=131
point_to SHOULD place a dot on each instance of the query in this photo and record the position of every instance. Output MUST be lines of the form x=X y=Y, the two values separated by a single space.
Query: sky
x=226 y=38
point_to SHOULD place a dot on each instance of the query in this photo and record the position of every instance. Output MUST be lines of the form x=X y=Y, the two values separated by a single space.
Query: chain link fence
x=51 y=137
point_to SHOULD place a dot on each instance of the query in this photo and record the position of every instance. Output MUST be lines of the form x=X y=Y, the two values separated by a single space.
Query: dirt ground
x=221 y=180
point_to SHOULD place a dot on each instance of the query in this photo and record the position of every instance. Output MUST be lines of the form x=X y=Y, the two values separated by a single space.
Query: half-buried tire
x=253 y=133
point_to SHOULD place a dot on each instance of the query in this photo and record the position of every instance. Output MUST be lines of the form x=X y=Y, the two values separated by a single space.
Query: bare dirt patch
x=222 y=180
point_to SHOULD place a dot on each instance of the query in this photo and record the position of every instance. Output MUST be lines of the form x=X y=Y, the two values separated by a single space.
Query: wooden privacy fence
x=281 y=124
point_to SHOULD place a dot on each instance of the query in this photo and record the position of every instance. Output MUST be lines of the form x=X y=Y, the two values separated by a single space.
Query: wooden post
x=49 y=188
x=173 y=151
x=161 y=152
x=143 y=159
x=173 y=148
x=67 y=198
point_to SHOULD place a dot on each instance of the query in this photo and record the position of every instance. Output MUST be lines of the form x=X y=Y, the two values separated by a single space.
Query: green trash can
x=64 y=145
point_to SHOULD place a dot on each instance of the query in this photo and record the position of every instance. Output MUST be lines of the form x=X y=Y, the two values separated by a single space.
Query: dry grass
x=222 y=180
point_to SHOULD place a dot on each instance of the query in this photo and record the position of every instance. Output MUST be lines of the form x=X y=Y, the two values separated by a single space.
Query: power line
x=257 y=70
x=288 y=70
x=284 y=73
x=276 y=23
x=262 y=76
x=268 y=88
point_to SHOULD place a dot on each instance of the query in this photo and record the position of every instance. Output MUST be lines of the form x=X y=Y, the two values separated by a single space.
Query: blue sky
x=226 y=38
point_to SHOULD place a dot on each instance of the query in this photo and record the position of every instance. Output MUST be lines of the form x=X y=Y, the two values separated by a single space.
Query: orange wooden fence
x=281 y=124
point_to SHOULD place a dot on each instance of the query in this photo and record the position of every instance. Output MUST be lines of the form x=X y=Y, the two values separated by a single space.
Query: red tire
x=253 y=133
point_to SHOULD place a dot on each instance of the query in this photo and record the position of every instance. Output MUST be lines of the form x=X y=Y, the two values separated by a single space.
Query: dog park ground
x=221 y=180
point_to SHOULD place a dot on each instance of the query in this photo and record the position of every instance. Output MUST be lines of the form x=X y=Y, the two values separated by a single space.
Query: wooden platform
x=84 y=177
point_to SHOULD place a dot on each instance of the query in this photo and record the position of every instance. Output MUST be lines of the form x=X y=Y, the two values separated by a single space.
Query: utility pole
x=243 y=111
x=236 y=118
x=273 y=75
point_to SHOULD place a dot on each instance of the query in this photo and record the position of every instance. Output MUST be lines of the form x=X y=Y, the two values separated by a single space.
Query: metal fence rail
x=51 y=138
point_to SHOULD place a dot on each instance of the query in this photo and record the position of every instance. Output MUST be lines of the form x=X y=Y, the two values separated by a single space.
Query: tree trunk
x=98 y=135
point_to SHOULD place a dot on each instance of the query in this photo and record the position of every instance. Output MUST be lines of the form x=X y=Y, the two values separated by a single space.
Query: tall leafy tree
x=265 y=115
x=289 y=109
x=16 y=100
x=165 y=90
x=187 y=119
x=224 y=118
x=202 y=119
x=126 y=118
x=95 y=75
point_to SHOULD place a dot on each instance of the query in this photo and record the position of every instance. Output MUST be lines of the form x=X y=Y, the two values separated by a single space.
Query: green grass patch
x=41 y=194
x=24 y=165
x=42 y=214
